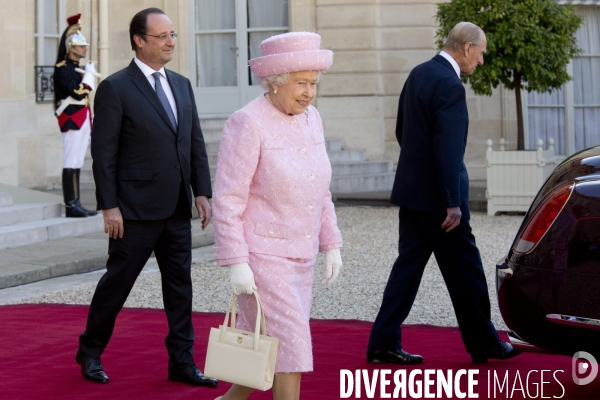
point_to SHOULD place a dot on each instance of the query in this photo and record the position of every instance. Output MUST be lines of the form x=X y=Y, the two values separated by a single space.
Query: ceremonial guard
x=72 y=87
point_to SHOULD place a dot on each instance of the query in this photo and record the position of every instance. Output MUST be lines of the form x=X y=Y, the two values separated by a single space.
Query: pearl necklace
x=269 y=99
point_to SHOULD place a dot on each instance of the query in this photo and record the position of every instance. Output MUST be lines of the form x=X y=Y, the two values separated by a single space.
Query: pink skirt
x=285 y=288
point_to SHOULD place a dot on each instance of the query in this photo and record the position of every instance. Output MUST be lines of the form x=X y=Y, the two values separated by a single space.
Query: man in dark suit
x=148 y=151
x=431 y=188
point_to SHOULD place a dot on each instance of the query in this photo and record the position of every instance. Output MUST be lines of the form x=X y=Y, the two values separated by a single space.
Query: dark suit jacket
x=138 y=158
x=432 y=130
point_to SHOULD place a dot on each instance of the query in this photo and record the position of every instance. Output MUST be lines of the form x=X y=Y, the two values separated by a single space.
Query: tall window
x=215 y=43
x=586 y=82
x=223 y=28
x=571 y=115
x=546 y=114
x=265 y=19
x=49 y=24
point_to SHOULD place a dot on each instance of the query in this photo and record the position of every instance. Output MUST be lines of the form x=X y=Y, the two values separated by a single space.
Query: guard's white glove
x=242 y=278
x=90 y=67
x=333 y=263
x=89 y=75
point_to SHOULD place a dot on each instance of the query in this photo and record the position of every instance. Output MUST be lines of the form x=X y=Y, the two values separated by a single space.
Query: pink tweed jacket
x=271 y=192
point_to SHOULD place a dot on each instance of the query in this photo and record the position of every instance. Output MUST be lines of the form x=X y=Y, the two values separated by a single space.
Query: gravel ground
x=370 y=247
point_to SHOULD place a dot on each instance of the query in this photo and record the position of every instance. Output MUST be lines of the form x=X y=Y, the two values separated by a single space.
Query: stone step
x=85 y=176
x=71 y=255
x=48 y=229
x=212 y=129
x=344 y=163
x=346 y=156
x=87 y=184
x=6 y=199
x=362 y=168
x=212 y=135
x=212 y=147
x=214 y=124
x=362 y=183
x=333 y=144
x=19 y=213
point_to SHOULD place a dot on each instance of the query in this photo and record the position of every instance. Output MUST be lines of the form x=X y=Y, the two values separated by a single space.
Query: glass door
x=225 y=35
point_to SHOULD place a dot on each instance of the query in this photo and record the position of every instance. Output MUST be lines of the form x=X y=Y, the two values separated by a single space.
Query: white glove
x=333 y=263
x=90 y=67
x=89 y=75
x=242 y=278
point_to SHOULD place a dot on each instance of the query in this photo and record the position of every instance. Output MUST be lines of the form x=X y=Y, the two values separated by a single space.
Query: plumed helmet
x=73 y=36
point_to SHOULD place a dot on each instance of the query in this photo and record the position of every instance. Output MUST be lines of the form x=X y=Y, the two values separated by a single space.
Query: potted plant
x=529 y=45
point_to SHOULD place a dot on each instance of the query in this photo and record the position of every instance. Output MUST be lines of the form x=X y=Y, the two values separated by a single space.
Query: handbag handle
x=260 y=326
x=260 y=313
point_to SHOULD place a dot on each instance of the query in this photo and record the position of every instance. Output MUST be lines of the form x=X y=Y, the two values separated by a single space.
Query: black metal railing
x=44 y=83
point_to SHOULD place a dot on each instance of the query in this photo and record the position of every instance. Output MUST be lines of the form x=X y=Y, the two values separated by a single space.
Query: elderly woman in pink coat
x=272 y=206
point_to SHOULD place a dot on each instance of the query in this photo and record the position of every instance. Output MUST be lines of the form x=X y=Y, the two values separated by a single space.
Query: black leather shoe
x=91 y=368
x=397 y=356
x=504 y=351
x=191 y=376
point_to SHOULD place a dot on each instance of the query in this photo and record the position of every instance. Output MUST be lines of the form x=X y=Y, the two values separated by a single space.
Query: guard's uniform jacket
x=74 y=104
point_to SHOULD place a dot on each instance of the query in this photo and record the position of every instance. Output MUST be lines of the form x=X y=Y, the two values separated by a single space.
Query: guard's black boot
x=72 y=209
x=87 y=212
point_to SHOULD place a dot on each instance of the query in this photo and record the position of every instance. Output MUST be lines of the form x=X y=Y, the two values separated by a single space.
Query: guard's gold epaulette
x=61 y=64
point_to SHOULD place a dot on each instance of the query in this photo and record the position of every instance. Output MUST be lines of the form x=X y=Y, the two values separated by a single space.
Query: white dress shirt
x=452 y=61
x=147 y=71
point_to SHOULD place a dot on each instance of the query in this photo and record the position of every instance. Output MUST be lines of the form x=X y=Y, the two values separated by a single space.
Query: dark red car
x=549 y=284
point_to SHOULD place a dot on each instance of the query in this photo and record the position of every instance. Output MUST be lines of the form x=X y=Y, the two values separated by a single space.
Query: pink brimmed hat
x=291 y=52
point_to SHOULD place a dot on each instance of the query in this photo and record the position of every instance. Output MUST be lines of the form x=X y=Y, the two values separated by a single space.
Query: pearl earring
x=275 y=91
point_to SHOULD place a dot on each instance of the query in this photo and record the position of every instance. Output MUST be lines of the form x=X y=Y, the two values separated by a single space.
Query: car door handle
x=503 y=270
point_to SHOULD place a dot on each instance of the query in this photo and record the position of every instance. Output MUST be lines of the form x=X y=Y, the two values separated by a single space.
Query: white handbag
x=241 y=357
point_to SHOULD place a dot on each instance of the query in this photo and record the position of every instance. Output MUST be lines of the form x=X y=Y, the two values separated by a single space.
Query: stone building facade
x=375 y=42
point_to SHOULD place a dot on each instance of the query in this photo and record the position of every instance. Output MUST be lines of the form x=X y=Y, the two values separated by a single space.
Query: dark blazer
x=138 y=158
x=431 y=129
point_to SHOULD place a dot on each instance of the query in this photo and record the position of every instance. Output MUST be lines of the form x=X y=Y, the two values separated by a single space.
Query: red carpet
x=38 y=343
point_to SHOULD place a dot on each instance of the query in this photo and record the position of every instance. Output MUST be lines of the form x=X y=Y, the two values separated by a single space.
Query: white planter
x=514 y=177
